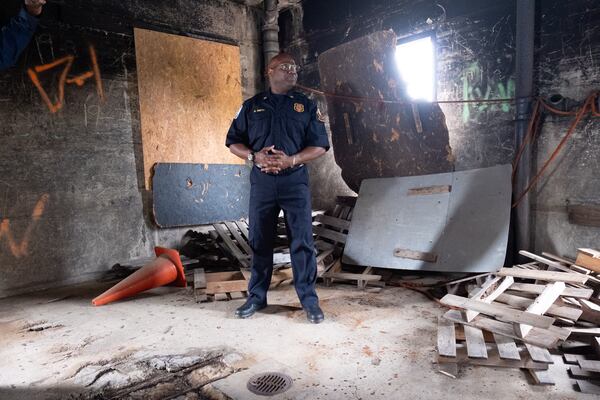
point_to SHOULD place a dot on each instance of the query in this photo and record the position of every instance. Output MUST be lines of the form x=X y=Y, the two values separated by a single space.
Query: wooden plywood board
x=190 y=90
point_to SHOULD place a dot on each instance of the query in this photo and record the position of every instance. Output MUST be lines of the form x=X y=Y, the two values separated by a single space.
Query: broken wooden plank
x=573 y=358
x=554 y=257
x=589 y=365
x=540 y=337
x=233 y=228
x=590 y=311
x=538 y=289
x=351 y=276
x=329 y=234
x=589 y=387
x=500 y=312
x=446 y=339
x=231 y=246
x=585 y=331
x=578 y=373
x=363 y=284
x=428 y=190
x=545 y=260
x=588 y=258
x=469 y=278
x=569 y=313
x=460 y=334
x=507 y=348
x=489 y=292
x=541 y=377
x=493 y=360
x=539 y=354
x=596 y=345
x=415 y=255
x=244 y=229
x=476 y=347
x=226 y=286
x=541 y=305
x=569 y=277
x=332 y=221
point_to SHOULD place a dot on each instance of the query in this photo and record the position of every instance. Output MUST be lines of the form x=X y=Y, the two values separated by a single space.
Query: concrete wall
x=476 y=59
x=568 y=62
x=72 y=198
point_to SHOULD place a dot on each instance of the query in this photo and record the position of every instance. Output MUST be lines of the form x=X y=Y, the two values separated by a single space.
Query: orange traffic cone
x=165 y=269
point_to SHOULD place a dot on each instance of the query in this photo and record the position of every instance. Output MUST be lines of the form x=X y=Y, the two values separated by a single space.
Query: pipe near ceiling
x=271 y=30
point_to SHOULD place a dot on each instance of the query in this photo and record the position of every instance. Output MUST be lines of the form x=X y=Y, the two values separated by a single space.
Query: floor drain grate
x=269 y=383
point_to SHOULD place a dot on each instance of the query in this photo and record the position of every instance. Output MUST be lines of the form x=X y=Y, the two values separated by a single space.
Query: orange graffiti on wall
x=19 y=249
x=79 y=80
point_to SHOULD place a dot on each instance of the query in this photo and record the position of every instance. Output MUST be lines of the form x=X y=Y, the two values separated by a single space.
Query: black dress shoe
x=314 y=314
x=248 y=309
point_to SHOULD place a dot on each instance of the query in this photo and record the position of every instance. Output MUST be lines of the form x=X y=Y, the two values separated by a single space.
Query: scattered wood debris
x=512 y=324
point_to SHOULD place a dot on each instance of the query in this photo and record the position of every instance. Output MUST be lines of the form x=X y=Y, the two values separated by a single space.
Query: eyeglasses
x=287 y=67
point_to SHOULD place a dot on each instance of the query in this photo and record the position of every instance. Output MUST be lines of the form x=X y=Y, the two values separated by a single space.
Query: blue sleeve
x=316 y=134
x=238 y=131
x=15 y=36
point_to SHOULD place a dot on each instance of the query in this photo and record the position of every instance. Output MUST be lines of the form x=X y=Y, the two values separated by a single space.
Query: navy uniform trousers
x=289 y=191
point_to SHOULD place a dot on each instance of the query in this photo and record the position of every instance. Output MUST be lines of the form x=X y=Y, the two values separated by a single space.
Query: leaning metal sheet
x=461 y=229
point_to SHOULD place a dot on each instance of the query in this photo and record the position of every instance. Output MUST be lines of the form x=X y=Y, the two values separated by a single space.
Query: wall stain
x=20 y=249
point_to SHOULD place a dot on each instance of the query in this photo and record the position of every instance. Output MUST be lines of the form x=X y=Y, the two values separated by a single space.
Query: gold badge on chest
x=299 y=107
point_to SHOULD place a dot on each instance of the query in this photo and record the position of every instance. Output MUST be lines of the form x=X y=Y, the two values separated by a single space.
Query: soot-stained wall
x=567 y=63
x=475 y=59
x=72 y=198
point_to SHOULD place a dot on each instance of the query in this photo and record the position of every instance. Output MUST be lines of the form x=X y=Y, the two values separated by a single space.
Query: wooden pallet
x=465 y=345
x=230 y=285
x=331 y=232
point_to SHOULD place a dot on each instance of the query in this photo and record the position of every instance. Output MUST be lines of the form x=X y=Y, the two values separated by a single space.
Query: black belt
x=283 y=172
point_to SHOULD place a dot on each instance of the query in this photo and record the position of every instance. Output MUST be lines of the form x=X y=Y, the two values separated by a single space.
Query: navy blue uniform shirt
x=15 y=36
x=289 y=122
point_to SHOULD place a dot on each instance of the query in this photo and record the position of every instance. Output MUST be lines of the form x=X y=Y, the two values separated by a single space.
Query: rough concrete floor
x=371 y=346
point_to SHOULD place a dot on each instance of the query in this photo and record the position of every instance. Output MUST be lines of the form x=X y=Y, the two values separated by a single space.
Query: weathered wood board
x=190 y=90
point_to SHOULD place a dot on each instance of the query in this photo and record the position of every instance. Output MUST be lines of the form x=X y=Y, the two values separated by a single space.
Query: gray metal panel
x=197 y=194
x=466 y=228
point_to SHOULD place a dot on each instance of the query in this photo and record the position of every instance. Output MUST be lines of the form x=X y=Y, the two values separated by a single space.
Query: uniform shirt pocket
x=259 y=125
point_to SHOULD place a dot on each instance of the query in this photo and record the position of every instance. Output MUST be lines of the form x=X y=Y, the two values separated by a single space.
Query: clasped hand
x=272 y=161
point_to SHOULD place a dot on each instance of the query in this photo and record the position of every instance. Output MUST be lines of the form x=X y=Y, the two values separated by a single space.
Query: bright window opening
x=416 y=63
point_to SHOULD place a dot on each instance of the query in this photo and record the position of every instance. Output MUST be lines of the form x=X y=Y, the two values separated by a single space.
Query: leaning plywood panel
x=190 y=90
x=464 y=229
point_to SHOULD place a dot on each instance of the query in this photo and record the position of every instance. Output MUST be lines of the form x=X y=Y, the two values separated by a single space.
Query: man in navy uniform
x=279 y=131
x=15 y=36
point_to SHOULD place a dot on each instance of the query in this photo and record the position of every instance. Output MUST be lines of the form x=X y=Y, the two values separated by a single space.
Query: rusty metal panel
x=373 y=139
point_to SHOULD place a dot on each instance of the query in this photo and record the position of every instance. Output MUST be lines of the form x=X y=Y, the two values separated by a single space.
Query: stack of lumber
x=519 y=315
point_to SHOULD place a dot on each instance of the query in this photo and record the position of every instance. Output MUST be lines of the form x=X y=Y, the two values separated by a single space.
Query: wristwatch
x=251 y=156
